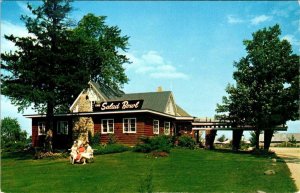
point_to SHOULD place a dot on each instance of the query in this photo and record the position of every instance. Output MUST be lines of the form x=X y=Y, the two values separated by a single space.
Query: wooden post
x=268 y=134
x=210 y=138
x=236 y=139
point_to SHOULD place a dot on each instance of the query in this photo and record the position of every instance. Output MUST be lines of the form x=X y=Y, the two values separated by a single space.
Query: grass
x=183 y=171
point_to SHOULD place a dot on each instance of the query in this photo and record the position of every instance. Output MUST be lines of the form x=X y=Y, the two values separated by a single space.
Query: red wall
x=144 y=127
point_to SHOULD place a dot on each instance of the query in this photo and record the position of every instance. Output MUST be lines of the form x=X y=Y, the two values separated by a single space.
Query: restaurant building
x=102 y=111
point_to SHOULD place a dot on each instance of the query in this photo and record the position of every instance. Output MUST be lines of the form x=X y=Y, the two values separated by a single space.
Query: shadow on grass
x=255 y=153
x=231 y=151
x=22 y=155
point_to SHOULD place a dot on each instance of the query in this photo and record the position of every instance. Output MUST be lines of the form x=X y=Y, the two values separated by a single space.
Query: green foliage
x=112 y=139
x=186 y=141
x=252 y=139
x=14 y=146
x=12 y=137
x=161 y=143
x=222 y=138
x=108 y=149
x=95 y=140
x=48 y=71
x=292 y=140
x=267 y=83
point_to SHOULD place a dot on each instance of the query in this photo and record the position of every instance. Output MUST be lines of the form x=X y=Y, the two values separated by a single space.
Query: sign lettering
x=118 y=105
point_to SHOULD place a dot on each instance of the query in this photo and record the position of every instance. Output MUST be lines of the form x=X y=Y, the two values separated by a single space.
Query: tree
x=222 y=138
x=266 y=91
x=292 y=140
x=54 y=64
x=11 y=131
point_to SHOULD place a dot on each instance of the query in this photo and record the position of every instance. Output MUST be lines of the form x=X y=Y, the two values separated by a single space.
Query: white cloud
x=234 y=20
x=260 y=19
x=8 y=28
x=291 y=39
x=154 y=65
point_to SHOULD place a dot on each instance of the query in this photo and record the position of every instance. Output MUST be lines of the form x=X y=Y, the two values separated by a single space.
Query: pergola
x=211 y=126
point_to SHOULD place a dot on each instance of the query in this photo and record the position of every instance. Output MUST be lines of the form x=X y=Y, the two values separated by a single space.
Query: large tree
x=56 y=61
x=266 y=93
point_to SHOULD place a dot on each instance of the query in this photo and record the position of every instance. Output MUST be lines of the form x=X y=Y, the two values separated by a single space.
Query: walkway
x=292 y=158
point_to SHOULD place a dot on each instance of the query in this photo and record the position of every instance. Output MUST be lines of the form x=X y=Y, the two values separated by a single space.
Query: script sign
x=118 y=105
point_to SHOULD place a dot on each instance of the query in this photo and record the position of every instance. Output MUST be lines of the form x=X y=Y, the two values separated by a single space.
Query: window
x=167 y=128
x=41 y=128
x=129 y=125
x=155 y=126
x=107 y=126
x=62 y=127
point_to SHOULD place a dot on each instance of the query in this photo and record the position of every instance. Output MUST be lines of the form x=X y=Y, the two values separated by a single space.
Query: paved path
x=292 y=158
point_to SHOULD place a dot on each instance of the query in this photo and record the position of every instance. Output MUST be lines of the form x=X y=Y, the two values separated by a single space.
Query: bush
x=186 y=141
x=112 y=148
x=94 y=140
x=14 y=146
x=160 y=143
x=112 y=139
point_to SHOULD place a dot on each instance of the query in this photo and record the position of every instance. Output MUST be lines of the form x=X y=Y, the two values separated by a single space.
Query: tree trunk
x=257 y=132
x=49 y=127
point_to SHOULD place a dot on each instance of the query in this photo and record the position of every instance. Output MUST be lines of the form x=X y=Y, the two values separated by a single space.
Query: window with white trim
x=107 y=126
x=62 y=128
x=129 y=125
x=41 y=128
x=155 y=126
x=167 y=128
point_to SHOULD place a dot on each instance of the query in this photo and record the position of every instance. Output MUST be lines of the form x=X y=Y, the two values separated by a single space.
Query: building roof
x=162 y=101
x=181 y=112
x=156 y=101
x=106 y=91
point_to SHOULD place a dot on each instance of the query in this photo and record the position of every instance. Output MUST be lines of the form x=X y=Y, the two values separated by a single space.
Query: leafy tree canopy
x=11 y=131
x=266 y=92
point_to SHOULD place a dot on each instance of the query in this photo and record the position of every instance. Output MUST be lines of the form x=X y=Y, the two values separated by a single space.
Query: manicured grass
x=183 y=171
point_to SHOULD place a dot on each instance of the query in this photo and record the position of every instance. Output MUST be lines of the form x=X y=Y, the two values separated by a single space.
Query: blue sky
x=186 y=47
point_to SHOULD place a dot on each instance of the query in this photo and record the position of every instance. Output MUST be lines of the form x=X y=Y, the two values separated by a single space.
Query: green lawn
x=182 y=171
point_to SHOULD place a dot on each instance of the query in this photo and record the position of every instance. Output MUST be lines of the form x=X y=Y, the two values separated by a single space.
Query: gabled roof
x=181 y=112
x=106 y=91
x=156 y=101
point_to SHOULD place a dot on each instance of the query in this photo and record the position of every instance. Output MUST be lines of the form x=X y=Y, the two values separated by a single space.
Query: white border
x=107 y=126
x=129 y=125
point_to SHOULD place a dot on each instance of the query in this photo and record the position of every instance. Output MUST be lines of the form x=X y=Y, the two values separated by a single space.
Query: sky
x=188 y=47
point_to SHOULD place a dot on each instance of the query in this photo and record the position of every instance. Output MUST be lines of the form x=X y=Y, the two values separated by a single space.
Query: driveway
x=292 y=158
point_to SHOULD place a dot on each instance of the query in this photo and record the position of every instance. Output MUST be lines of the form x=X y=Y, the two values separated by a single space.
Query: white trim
x=169 y=123
x=157 y=125
x=113 y=112
x=107 y=124
x=44 y=128
x=129 y=125
x=96 y=90
x=75 y=102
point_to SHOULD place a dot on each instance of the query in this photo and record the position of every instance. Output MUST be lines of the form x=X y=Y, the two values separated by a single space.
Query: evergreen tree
x=55 y=63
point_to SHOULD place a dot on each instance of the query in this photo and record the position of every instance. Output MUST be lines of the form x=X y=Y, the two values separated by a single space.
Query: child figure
x=74 y=151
